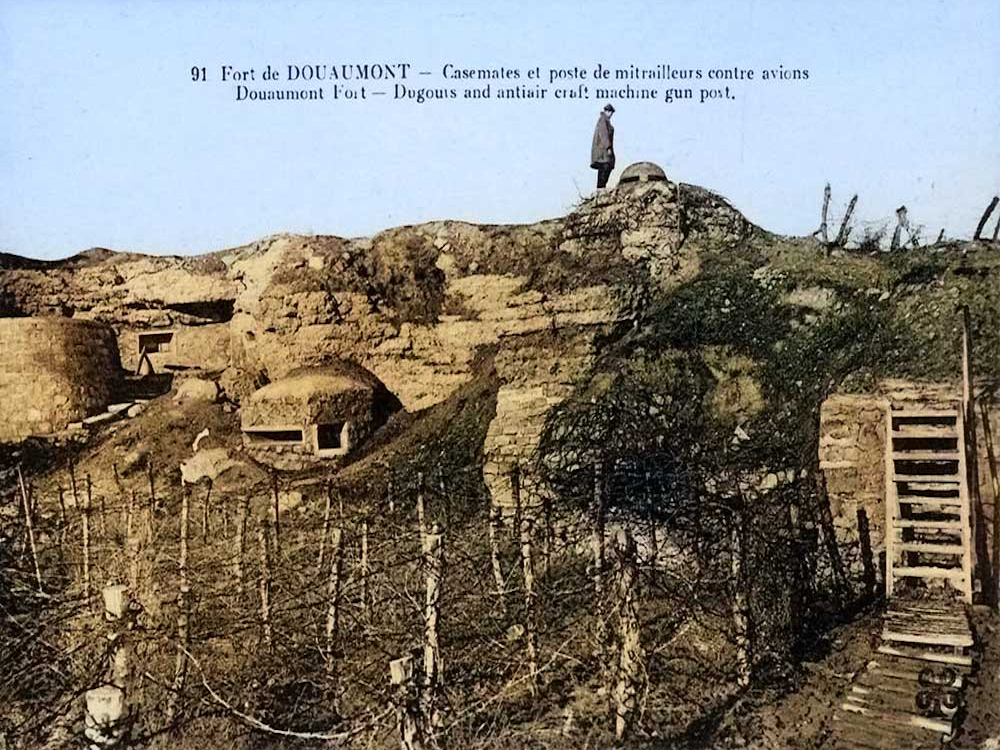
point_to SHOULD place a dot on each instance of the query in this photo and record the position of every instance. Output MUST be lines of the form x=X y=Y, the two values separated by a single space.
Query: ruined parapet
x=314 y=415
x=53 y=371
x=178 y=347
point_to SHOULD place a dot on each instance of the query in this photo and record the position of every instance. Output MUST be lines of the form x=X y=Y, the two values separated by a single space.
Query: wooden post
x=985 y=218
x=102 y=718
x=365 y=567
x=207 y=510
x=86 y=547
x=495 y=527
x=972 y=455
x=117 y=608
x=326 y=527
x=129 y=513
x=940 y=238
x=549 y=533
x=265 y=581
x=597 y=543
x=152 y=483
x=822 y=231
x=991 y=458
x=132 y=545
x=62 y=513
x=631 y=662
x=445 y=505
x=333 y=594
x=30 y=527
x=901 y=223
x=867 y=558
x=241 y=544
x=432 y=653
x=183 y=633
x=104 y=511
x=845 y=228
x=277 y=516
x=528 y=570
x=654 y=554
x=421 y=517
x=406 y=696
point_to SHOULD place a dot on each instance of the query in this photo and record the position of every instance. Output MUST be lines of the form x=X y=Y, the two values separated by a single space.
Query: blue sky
x=106 y=141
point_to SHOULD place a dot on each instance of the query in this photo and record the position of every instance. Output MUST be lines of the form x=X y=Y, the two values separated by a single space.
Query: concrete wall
x=852 y=458
x=53 y=371
x=204 y=347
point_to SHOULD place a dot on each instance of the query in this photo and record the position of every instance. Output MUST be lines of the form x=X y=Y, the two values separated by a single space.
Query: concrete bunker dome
x=53 y=372
x=642 y=171
x=314 y=414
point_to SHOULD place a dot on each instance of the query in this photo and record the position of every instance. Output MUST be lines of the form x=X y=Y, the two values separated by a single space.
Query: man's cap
x=608 y=108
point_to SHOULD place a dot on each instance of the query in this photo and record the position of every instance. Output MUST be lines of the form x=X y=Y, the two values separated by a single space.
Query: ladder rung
x=926 y=455
x=927 y=478
x=924 y=414
x=918 y=431
x=910 y=523
x=935 y=549
x=938 y=502
x=928 y=571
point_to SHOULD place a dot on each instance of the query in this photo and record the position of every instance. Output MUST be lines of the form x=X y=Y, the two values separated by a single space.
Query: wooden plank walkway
x=909 y=694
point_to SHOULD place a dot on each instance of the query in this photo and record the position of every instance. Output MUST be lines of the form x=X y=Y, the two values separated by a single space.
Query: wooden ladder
x=927 y=531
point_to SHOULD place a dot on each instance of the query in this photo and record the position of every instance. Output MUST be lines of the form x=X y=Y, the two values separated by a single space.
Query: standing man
x=602 y=152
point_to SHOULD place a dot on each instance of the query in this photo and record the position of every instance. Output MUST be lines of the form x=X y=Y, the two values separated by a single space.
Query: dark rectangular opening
x=328 y=436
x=274 y=436
x=155 y=342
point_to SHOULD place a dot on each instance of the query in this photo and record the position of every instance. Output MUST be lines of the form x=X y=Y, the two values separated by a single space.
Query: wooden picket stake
x=102 y=717
x=495 y=527
x=62 y=515
x=132 y=545
x=206 y=511
x=406 y=696
x=365 y=568
x=421 y=517
x=528 y=571
x=85 y=518
x=326 y=528
x=152 y=483
x=265 y=581
x=30 y=527
x=277 y=516
x=183 y=630
x=598 y=544
x=333 y=594
x=631 y=662
x=433 y=560
x=985 y=218
x=822 y=231
x=241 y=531
x=845 y=228
x=104 y=510
x=549 y=532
